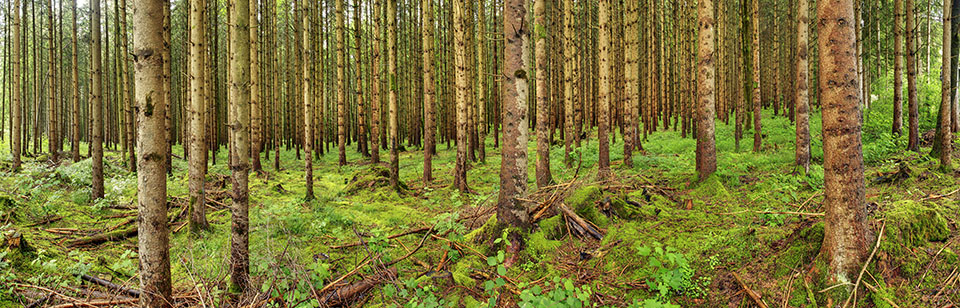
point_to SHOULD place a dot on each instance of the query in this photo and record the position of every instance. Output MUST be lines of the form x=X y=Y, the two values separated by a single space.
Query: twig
x=865 y=264
x=128 y=291
x=99 y=303
x=934 y=197
x=351 y=273
x=777 y=212
x=753 y=295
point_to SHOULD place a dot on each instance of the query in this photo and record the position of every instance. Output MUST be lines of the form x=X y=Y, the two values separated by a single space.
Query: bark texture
x=429 y=91
x=913 y=143
x=197 y=114
x=513 y=165
x=240 y=129
x=462 y=92
x=603 y=107
x=801 y=100
x=706 y=144
x=543 y=175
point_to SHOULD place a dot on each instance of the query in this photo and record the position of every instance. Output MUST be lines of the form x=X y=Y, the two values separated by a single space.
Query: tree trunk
x=341 y=88
x=897 y=67
x=757 y=103
x=96 y=87
x=461 y=63
x=706 y=144
x=429 y=91
x=127 y=106
x=845 y=244
x=52 y=132
x=153 y=242
x=632 y=79
x=802 y=96
x=308 y=138
x=240 y=137
x=513 y=165
x=256 y=118
x=912 y=103
x=946 y=100
x=603 y=108
x=375 y=90
x=16 y=111
x=75 y=81
x=394 y=87
x=198 y=153
x=543 y=100
x=569 y=80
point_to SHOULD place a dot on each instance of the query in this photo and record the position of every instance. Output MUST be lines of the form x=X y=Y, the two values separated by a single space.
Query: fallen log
x=104 y=237
x=347 y=294
x=126 y=291
x=98 y=303
x=40 y=301
x=46 y=221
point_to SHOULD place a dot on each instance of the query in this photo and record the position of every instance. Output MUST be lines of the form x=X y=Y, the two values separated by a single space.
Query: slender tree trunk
x=375 y=90
x=429 y=91
x=543 y=175
x=912 y=103
x=946 y=100
x=513 y=165
x=461 y=63
x=256 y=118
x=341 y=87
x=802 y=97
x=394 y=87
x=127 y=105
x=153 y=242
x=308 y=138
x=16 y=110
x=75 y=81
x=52 y=133
x=757 y=103
x=239 y=126
x=897 y=67
x=632 y=57
x=845 y=244
x=569 y=80
x=361 y=110
x=168 y=132
x=96 y=86
x=481 y=83
x=198 y=153
x=603 y=109
x=706 y=145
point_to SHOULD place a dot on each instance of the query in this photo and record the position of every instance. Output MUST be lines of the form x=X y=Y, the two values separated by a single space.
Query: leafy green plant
x=669 y=272
x=563 y=295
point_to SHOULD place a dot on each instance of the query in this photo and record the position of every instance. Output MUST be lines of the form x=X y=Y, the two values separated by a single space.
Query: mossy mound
x=546 y=239
x=711 y=187
x=583 y=201
x=370 y=179
x=914 y=224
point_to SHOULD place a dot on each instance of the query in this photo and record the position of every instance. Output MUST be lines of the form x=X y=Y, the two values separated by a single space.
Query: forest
x=479 y=153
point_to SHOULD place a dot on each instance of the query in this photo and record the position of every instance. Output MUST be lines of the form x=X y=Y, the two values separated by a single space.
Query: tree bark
x=543 y=175
x=75 y=81
x=197 y=114
x=802 y=96
x=239 y=127
x=153 y=242
x=946 y=99
x=341 y=88
x=513 y=165
x=632 y=79
x=394 y=87
x=53 y=135
x=845 y=244
x=461 y=63
x=308 y=138
x=603 y=108
x=429 y=91
x=16 y=112
x=96 y=88
x=256 y=118
x=706 y=144
x=897 y=67
x=757 y=103
x=569 y=80
x=913 y=143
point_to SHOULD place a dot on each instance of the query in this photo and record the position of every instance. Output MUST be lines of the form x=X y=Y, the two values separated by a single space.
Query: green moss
x=489 y=230
x=583 y=201
x=711 y=187
x=913 y=224
x=370 y=178
x=465 y=267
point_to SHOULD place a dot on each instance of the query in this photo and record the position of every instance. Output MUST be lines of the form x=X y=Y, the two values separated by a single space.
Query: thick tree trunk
x=461 y=63
x=802 y=96
x=845 y=238
x=197 y=113
x=240 y=137
x=429 y=91
x=706 y=83
x=153 y=242
x=543 y=175
x=513 y=165
x=913 y=143
x=96 y=88
x=603 y=108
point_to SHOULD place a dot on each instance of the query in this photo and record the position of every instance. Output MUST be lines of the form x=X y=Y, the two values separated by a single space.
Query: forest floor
x=668 y=240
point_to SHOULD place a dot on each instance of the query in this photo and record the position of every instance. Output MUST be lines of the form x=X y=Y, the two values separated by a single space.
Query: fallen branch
x=348 y=293
x=110 y=285
x=402 y=234
x=105 y=237
x=578 y=223
x=351 y=273
x=40 y=301
x=934 y=197
x=753 y=295
x=47 y=221
x=775 y=212
x=98 y=303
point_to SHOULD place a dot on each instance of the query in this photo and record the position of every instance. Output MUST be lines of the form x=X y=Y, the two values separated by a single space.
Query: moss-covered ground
x=668 y=240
